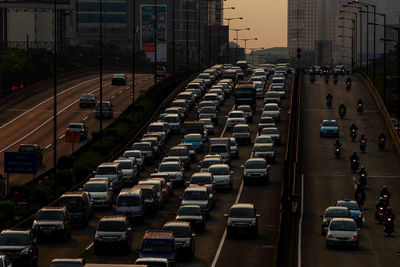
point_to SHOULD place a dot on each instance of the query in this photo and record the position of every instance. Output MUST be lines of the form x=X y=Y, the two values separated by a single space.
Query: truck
x=195 y=127
x=245 y=94
x=221 y=146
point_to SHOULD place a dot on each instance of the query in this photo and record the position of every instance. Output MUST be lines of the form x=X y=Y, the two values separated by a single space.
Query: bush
x=7 y=213
x=65 y=162
x=87 y=163
x=64 y=178
x=20 y=193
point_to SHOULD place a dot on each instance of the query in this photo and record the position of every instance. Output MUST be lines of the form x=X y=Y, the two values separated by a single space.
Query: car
x=165 y=176
x=273 y=132
x=280 y=90
x=222 y=176
x=4 y=261
x=248 y=112
x=208 y=125
x=201 y=178
x=155 y=144
x=182 y=152
x=342 y=231
x=174 y=122
x=329 y=128
x=206 y=77
x=100 y=192
x=355 y=210
x=266 y=151
x=181 y=103
x=208 y=112
x=207 y=162
x=79 y=262
x=158 y=244
x=259 y=88
x=176 y=110
x=192 y=214
x=272 y=97
x=106 y=112
x=80 y=128
x=242 y=133
x=118 y=79
x=235 y=117
x=137 y=155
x=146 y=149
x=159 y=127
x=159 y=136
x=78 y=204
x=129 y=170
x=263 y=139
x=219 y=92
x=111 y=170
x=161 y=71
x=19 y=246
x=150 y=198
x=52 y=222
x=256 y=170
x=87 y=100
x=265 y=121
x=33 y=148
x=197 y=195
x=130 y=203
x=184 y=238
x=195 y=139
x=159 y=262
x=113 y=232
x=174 y=170
x=192 y=151
x=272 y=110
x=333 y=212
x=242 y=219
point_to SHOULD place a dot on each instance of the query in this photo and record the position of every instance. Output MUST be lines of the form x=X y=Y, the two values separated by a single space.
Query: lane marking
x=89 y=247
x=120 y=92
x=269 y=246
x=61 y=137
x=49 y=145
x=41 y=103
x=85 y=118
x=50 y=119
x=140 y=82
x=112 y=97
x=300 y=223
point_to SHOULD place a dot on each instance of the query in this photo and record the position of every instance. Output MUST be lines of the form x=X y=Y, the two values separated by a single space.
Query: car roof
x=79 y=260
x=202 y=174
x=15 y=231
x=177 y=223
x=329 y=120
x=157 y=234
x=242 y=125
x=73 y=193
x=255 y=159
x=53 y=208
x=243 y=205
x=196 y=188
x=110 y=164
x=336 y=207
x=139 y=260
x=113 y=218
x=343 y=220
x=190 y=206
x=219 y=166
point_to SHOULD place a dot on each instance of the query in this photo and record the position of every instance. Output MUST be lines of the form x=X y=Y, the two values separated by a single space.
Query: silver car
x=222 y=176
x=342 y=231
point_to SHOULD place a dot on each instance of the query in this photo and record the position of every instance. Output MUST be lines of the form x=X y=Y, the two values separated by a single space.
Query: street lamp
x=237 y=37
x=252 y=53
x=355 y=13
x=352 y=47
x=245 y=43
x=355 y=23
x=229 y=20
x=352 y=39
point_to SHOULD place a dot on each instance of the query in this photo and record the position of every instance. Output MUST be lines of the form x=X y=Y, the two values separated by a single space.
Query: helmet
x=384 y=187
x=380 y=199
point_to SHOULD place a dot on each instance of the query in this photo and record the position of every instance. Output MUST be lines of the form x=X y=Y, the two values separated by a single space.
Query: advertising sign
x=20 y=162
x=147 y=26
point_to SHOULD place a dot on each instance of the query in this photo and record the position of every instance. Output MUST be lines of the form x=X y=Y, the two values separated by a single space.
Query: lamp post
x=133 y=52
x=352 y=39
x=54 y=92
x=229 y=20
x=355 y=23
x=101 y=67
x=245 y=43
x=237 y=37
x=361 y=41
x=252 y=54
x=352 y=48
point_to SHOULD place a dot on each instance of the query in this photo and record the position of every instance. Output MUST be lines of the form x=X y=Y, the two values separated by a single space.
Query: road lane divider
x=49 y=145
x=61 y=137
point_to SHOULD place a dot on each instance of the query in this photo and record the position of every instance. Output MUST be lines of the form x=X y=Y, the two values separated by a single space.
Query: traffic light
x=298 y=52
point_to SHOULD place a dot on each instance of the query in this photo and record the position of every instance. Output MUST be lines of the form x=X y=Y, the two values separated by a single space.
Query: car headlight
x=230 y=223
x=60 y=227
x=331 y=236
x=186 y=244
x=25 y=250
x=123 y=237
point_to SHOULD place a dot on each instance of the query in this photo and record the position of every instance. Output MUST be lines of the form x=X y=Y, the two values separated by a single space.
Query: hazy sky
x=267 y=20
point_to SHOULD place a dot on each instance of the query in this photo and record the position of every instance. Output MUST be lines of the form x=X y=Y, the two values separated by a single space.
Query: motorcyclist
x=354 y=156
x=348 y=80
x=362 y=171
x=360 y=102
x=353 y=127
x=359 y=195
x=389 y=213
x=385 y=191
x=329 y=96
x=338 y=144
x=381 y=136
x=342 y=110
x=380 y=204
x=363 y=138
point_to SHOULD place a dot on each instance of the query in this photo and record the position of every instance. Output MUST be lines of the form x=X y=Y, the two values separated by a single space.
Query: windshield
x=350 y=205
x=343 y=226
x=329 y=124
x=88 y=97
x=95 y=187
x=106 y=171
x=256 y=164
x=63 y=264
x=195 y=195
x=169 y=168
x=171 y=119
x=269 y=131
x=246 y=109
x=178 y=152
x=50 y=215
x=179 y=232
x=236 y=115
x=111 y=226
x=263 y=148
x=218 y=149
x=263 y=140
x=208 y=163
x=142 y=147
x=240 y=129
x=242 y=213
x=272 y=95
x=156 y=128
x=271 y=108
x=125 y=164
x=201 y=179
x=72 y=203
x=132 y=155
x=26 y=149
x=219 y=170
x=204 y=76
x=195 y=211
x=75 y=126
x=266 y=120
x=337 y=213
x=128 y=201
x=13 y=239
x=159 y=245
x=193 y=138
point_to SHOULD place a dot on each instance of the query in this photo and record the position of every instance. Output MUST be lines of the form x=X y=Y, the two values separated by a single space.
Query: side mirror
x=258 y=215
x=156 y=170
x=94 y=172
x=268 y=166
x=226 y=215
x=180 y=197
x=129 y=229
x=242 y=166
x=193 y=235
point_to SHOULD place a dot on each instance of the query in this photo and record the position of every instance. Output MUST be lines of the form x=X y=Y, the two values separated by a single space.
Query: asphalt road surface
x=327 y=179
x=30 y=121
x=231 y=252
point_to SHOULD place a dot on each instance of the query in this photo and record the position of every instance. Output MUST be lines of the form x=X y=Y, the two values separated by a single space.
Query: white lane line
x=89 y=247
x=61 y=137
x=41 y=103
x=300 y=223
x=120 y=92
x=85 y=118
x=50 y=119
x=139 y=81
x=49 y=145
x=113 y=97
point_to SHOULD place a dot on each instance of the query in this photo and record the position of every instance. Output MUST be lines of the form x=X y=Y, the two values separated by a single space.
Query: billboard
x=147 y=25
x=20 y=162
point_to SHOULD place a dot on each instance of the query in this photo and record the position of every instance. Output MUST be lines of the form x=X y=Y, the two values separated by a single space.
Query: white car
x=248 y=112
x=137 y=155
x=235 y=117
x=129 y=169
x=273 y=132
x=100 y=192
x=174 y=170
x=272 y=110
x=342 y=231
x=222 y=175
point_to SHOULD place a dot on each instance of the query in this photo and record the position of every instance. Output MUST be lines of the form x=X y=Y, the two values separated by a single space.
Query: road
x=266 y=198
x=31 y=120
x=327 y=179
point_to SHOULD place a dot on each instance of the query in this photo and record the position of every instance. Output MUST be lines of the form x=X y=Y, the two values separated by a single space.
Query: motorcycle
x=363 y=146
x=381 y=143
x=342 y=113
x=380 y=214
x=354 y=165
x=337 y=152
x=363 y=179
x=353 y=134
x=389 y=226
x=360 y=108
x=348 y=85
x=329 y=102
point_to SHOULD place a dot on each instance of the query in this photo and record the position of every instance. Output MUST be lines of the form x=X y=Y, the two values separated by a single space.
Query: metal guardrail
x=28 y=221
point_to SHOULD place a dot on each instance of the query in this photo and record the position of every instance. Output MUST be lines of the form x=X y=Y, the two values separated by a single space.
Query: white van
x=130 y=203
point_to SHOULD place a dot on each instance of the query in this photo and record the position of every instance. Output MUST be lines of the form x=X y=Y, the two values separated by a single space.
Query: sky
x=267 y=20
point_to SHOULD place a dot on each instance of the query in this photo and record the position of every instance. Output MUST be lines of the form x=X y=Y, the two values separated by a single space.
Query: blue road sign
x=20 y=162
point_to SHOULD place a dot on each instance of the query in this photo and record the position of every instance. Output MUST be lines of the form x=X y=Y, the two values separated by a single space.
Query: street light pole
x=101 y=67
x=237 y=38
x=54 y=91
x=187 y=38
x=133 y=52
